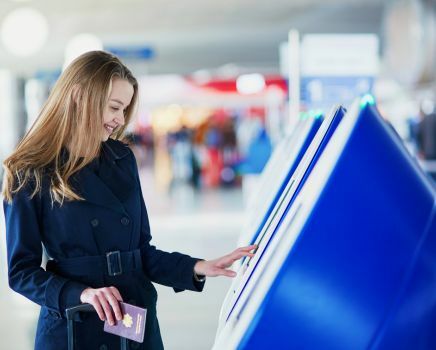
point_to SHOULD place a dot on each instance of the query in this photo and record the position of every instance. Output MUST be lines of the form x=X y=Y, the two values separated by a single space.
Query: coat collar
x=115 y=149
x=113 y=184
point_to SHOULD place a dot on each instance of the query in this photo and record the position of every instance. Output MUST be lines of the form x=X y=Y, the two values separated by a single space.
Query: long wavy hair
x=72 y=119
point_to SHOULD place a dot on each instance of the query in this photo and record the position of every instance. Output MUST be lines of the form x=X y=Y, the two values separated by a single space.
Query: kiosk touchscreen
x=238 y=291
x=355 y=265
x=280 y=167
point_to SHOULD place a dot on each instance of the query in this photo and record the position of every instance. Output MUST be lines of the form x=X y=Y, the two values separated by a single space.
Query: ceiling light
x=250 y=84
x=24 y=31
x=80 y=44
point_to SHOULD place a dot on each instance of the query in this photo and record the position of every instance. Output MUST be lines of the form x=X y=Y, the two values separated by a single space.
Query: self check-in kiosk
x=276 y=174
x=353 y=262
x=240 y=288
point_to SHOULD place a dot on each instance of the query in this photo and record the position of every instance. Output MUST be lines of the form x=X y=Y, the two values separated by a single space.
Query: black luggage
x=71 y=312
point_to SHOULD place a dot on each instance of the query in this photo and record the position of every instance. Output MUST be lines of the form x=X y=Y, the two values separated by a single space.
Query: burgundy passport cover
x=132 y=325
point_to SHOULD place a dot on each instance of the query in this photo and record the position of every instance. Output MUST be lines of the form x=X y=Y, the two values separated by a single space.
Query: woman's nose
x=120 y=119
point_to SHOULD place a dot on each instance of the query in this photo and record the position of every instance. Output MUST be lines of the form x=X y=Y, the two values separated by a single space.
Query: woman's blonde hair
x=72 y=118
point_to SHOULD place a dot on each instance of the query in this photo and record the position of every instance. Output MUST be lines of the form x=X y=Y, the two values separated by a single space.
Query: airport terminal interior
x=306 y=127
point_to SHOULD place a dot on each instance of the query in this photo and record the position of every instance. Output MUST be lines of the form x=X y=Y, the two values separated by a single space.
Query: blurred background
x=221 y=83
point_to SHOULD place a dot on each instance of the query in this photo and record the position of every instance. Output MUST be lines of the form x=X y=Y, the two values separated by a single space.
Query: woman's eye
x=115 y=108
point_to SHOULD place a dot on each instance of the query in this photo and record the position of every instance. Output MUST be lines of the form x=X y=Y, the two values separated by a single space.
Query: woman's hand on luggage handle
x=105 y=302
x=219 y=267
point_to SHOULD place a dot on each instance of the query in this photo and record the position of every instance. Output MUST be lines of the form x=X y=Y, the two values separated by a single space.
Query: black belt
x=112 y=264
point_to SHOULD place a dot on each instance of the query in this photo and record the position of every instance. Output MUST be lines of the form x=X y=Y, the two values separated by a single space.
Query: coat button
x=94 y=222
x=103 y=347
x=125 y=221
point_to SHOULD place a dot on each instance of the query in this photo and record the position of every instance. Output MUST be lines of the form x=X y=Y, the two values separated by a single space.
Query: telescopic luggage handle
x=71 y=312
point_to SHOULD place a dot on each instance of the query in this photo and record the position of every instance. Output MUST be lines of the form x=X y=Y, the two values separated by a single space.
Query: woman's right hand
x=104 y=300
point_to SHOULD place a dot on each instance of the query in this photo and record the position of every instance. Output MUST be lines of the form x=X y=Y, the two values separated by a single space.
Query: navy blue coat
x=112 y=217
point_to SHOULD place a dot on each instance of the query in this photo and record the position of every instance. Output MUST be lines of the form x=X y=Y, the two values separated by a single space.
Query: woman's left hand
x=219 y=267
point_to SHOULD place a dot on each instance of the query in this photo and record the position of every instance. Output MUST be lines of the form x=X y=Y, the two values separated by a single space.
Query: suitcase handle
x=71 y=312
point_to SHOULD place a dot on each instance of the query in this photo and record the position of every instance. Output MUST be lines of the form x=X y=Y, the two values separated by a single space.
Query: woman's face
x=115 y=109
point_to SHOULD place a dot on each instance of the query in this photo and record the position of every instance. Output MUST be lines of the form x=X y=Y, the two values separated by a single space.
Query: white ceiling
x=191 y=34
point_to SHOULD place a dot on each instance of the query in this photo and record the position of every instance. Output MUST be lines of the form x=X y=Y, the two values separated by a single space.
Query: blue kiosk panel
x=276 y=175
x=242 y=284
x=356 y=268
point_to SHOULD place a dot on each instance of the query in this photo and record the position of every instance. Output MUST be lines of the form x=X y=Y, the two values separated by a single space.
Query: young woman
x=71 y=189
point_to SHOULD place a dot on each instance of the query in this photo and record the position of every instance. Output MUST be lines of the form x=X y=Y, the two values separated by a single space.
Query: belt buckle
x=109 y=259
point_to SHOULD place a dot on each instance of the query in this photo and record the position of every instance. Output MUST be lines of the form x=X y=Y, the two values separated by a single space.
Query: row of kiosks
x=276 y=174
x=346 y=254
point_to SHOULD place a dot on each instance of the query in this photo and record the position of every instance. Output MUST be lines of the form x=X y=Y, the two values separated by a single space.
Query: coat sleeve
x=170 y=269
x=24 y=256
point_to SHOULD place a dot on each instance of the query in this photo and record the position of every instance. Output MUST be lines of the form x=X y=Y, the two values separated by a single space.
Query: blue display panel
x=243 y=282
x=355 y=267
x=279 y=169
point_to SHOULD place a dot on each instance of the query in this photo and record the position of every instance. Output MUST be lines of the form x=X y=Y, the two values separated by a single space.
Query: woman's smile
x=110 y=129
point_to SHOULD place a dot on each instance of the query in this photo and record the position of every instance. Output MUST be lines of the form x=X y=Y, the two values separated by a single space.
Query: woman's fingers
x=106 y=307
x=97 y=306
x=244 y=251
x=114 y=304
x=229 y=273
x=239 y=254
x=225 y=272
x=105 y=302
x=219 y=267
x=248 y=248
x=228 y=260
x=116 y=293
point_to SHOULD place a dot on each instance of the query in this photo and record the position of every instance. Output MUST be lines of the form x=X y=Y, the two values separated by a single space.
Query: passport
x=132 y=326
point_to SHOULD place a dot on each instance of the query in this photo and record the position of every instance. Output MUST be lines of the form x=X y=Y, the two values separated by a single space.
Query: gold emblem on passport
x=127 y=320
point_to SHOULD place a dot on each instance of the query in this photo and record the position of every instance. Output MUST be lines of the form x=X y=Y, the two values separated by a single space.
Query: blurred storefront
x=207 y=133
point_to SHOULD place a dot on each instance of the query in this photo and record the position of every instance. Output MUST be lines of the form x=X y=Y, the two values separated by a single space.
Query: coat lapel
x=93 y=190
x=113 y=185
